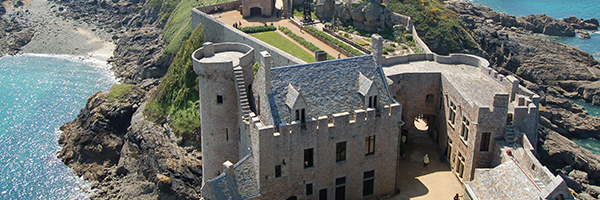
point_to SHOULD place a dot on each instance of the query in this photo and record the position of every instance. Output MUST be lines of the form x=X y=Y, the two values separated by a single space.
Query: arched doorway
x=292 y=198
x=255 y=11
x=421 y=122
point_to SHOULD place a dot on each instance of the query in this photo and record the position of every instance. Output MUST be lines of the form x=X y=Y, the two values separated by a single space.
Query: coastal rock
x=138 y=55
x=559 y=151
x=94 y=139
x=577 y=23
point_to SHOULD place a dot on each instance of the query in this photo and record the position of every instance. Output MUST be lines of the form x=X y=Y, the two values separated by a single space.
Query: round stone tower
x=217 y=66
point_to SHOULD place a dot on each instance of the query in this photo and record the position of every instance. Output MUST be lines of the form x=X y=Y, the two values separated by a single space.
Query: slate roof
x=328 y=87
x=244 y=184
x=506 y=181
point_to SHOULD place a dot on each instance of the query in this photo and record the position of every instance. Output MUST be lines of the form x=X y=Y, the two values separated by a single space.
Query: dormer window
x=295 y=101
x=369 y=91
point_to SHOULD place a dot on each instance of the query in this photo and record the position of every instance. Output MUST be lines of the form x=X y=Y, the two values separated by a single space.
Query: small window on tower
x=219 y=99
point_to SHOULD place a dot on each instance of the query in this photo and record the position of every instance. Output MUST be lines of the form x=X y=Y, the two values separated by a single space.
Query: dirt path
x=434 y=182
x=231 y=17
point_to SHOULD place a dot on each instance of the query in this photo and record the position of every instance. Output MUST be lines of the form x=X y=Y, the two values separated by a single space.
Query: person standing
x=425 y=160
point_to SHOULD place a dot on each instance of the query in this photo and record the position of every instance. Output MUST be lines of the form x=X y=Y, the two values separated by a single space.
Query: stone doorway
x=255 y=11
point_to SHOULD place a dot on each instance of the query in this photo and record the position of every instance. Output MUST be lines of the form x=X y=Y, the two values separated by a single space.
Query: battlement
x=343 y=119
x=221 y=57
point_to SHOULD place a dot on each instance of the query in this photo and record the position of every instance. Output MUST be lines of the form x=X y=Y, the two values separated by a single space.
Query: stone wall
x=266 y=7
x=227 y=6
x=217 y=31
x=286 y=148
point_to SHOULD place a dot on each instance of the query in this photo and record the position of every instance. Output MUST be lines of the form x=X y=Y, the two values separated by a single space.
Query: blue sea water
x=557 y=9
x=38 y=94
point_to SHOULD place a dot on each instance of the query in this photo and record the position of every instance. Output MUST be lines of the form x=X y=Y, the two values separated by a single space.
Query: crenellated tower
x=216 y=66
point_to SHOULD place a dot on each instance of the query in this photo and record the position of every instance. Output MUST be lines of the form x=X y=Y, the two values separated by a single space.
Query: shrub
x=408 y=37
x=333 y=40
x=346 y=35
x=362 y=43
x=255 y=68
x=257 y=29
x=393 y=44
x=177 y=94
x=389 y=48
x=411 y=43
x=417 y=50
x=310 y=46
x=385 y=51
x=439 y=27
x=118 y=92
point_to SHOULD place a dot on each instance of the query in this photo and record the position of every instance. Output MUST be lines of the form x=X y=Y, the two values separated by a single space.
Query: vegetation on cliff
x=177 y=95
x=439 y=27
x=179 y=24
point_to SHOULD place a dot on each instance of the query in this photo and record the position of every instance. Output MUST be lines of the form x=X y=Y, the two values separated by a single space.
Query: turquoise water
x=591 y=108
x=39 y=94
x=557 y=9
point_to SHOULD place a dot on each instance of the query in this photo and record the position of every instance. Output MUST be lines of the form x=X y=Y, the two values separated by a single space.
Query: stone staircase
x=540 y=184
x=242 y=93
x=510 y=136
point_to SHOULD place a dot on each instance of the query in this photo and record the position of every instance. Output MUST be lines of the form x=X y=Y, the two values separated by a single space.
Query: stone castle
x=332 y=129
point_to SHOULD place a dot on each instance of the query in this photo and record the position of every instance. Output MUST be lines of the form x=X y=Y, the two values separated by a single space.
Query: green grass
x=179 y=25
x=299 y=12
x=439 y=27
x=303 y=42
x=177 y=95
x=275 y=39
x=118 y=92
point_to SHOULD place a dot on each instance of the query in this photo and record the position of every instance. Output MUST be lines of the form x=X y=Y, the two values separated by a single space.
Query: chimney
x=320 y=56
x=265 y=62
x=377 y=48
x=209 y=50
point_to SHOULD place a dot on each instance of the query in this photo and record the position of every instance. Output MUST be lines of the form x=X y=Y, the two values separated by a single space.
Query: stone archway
x=255 y=11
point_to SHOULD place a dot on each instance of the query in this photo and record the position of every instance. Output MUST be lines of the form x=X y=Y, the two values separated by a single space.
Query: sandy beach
x=61 y=35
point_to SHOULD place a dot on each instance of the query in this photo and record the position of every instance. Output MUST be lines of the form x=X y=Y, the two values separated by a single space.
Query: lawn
x=277 y=40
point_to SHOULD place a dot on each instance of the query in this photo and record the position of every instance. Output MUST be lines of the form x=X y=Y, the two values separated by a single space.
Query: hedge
x=257 y=29
x=303 y=42
x=333 y=40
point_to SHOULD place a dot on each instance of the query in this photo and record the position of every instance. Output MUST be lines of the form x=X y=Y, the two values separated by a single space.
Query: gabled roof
x=366 y=86
x=294 y=99
x=327 y=87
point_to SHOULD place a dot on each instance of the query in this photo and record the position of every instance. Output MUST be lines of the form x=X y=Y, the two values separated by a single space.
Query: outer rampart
x=217 y=31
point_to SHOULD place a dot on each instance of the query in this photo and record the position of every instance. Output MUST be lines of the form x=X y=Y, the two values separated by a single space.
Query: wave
x=89 y=60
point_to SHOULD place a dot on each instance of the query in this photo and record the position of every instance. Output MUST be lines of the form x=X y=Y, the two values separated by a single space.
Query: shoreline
x=58 y=35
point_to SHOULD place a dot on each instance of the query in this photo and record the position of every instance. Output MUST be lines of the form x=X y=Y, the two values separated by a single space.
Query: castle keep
x=332 y=129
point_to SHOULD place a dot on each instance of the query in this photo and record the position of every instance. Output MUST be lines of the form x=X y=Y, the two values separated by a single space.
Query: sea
x=39 y=93
x=557 y=9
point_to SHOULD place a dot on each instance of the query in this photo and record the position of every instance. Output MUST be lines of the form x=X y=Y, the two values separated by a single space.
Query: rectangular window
x=368 y=183
x=308 y=158
x=309 y=189
x=219 y=99
x=370 y=102
x=340 y=151
x=226 y=134
x=370 y=145
x=300 y=115
x=465 y=129
x=277 y=171
x=340 y=188
x=485 y=142
x=452 y=114
x=323 y=194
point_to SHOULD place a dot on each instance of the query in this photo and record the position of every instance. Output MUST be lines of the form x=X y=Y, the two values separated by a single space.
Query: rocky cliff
x=554 y=71
x=126 y=156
